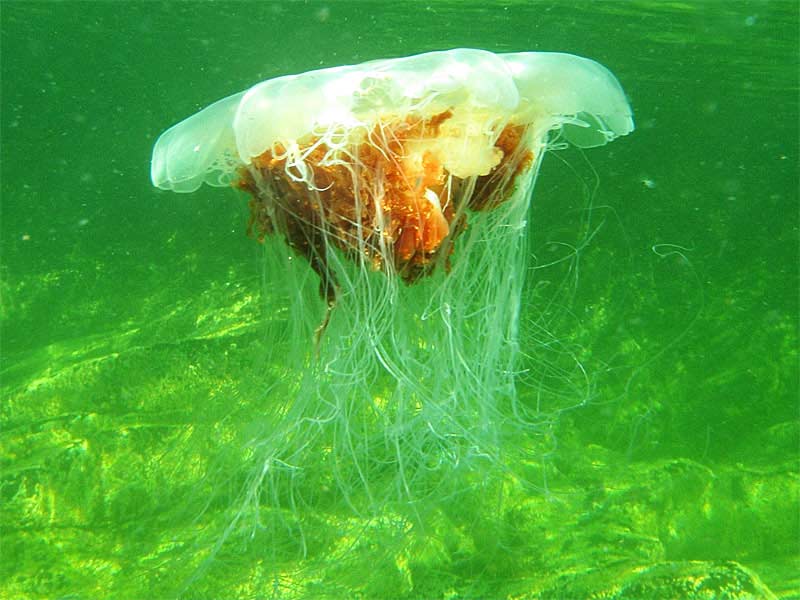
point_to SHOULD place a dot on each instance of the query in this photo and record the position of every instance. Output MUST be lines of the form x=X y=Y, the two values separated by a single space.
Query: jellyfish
x=392 y=200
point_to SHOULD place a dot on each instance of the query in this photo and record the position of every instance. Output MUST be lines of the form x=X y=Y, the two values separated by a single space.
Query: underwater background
x=665 y=265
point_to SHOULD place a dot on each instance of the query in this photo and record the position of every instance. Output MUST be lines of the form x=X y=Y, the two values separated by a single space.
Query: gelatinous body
x=384 y=160
x=405 y=185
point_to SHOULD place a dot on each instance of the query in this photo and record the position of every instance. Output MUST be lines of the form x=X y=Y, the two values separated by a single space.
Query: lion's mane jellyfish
x=392 y=200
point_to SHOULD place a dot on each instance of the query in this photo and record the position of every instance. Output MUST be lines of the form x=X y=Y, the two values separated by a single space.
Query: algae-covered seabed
x=135 y=322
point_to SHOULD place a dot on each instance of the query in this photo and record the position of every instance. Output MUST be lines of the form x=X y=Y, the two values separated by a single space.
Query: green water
x=133 y=319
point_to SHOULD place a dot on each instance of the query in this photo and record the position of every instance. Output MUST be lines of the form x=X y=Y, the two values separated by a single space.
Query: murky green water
x=133 y=323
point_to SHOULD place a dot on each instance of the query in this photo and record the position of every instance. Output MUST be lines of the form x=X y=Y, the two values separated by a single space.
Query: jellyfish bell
x=327 y=143
x=557 y=88
x=404 y=184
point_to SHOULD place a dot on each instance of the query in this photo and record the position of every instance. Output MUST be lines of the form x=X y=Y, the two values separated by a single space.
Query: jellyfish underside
x=387 y=199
